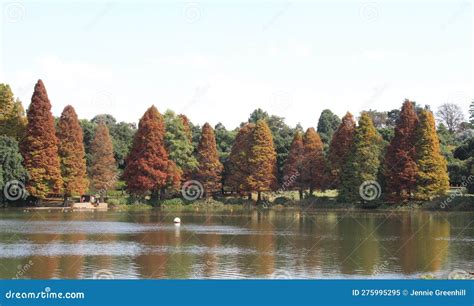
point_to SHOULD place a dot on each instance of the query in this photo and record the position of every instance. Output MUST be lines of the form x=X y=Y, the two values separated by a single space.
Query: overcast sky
x=217 y=61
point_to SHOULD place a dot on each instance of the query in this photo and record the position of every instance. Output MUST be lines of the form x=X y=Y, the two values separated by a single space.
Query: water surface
x=249 y=244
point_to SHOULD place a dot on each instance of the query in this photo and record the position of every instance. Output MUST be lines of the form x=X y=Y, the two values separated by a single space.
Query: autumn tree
x=363 y=162
x=12 y=114
x=261 y=160
x=209 y=171
x=238 y=164
x=314 y=161
x=149 y=169
x=294 y=165
x=400 y=170
x=40 y=147
x=71 y=153
x=103 y=171
x=340 y=148
x=432 y=175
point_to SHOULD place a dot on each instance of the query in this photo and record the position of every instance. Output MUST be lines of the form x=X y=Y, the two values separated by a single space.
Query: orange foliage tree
x=294 y=165
x=40 y=147
x=261 y=160
x=314 y=161
x=210 y=168
x=71 y=153
x=103 y=171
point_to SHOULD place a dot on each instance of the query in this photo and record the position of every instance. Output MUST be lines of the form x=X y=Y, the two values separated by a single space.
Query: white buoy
x=177 y=220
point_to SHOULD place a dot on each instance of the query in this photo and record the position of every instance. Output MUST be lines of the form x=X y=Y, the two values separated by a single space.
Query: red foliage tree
x=238 y=166
x=400 y=169
x=40 y=147
x=148 y=167
x=71 y=153
x=210 y=168
x=340 y=148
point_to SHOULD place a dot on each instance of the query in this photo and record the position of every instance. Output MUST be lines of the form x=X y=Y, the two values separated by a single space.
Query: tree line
x=403 y=151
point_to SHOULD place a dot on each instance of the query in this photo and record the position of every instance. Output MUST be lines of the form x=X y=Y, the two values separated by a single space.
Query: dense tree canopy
x=12 y=114
x=40 y=147
x=294 y=165
x=238 y=164
x=71 y=153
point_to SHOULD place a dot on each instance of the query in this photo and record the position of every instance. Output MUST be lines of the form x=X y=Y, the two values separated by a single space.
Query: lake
x=232 y=245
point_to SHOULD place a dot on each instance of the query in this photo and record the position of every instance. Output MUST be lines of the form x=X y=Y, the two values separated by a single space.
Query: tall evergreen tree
x=314 y=161
x=238 y=164
x=262 y=160
x=327 y=124
x=179 y=144
x=103 y=171
x=186 y=126
x=40 y=147
x=363 y=162
x=71 y=153
x=11 y=167
x=471 y=113
x=340 y=148
x=400 y=169
x=210 y=168
x=432 y=176
x=148 y=166
x=294 y=165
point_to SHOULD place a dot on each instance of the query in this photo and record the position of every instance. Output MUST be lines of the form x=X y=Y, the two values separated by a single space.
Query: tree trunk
x=259 y=196
x=249 y=197
x=300 y=191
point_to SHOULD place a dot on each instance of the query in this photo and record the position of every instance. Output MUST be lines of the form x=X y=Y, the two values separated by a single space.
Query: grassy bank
x=290 y=200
